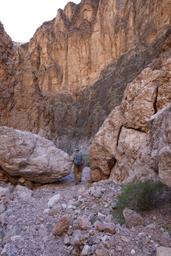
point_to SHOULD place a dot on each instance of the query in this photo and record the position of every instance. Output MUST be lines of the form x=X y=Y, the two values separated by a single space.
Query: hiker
x=78 y=165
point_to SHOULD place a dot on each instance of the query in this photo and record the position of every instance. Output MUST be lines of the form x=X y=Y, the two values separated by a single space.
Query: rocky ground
x=63 y=219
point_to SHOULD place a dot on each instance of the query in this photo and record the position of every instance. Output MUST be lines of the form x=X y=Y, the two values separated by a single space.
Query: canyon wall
x=134 y=141
x=73 y=72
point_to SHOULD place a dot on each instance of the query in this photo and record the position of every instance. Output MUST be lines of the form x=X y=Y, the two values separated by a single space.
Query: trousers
x=78 y=173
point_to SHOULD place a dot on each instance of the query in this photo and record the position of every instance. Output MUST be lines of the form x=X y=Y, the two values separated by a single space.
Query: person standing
x=78 y=165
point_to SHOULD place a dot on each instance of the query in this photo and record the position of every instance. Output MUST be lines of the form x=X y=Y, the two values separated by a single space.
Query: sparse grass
x=138 y=196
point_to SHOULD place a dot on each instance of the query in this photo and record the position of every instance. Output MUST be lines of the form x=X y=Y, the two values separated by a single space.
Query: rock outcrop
x=160 y=138
x=126 y=146
x=73 y=72
x=69 y=52
x=23 y=154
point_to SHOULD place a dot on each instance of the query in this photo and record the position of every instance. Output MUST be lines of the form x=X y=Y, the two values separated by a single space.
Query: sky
x=21 y=18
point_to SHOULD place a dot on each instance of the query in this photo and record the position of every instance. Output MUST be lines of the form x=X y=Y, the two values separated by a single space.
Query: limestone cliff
x=129 y=147
x=67 y=79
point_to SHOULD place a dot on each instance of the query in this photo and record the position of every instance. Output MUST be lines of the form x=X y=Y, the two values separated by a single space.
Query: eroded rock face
x=33 y=157
x=102 y=150
x=73 y=72
x=160 y=134
x=126 y=135
x=69 y=52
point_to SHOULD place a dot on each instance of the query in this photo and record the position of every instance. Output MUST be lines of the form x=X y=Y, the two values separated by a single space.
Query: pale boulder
x=53 y=200
x=128 y=147
x=103 y=147
x=163 y=251
x=139 y=98
x=129 y=144
x=33 y=157
x=161 y=143
x=165 y=165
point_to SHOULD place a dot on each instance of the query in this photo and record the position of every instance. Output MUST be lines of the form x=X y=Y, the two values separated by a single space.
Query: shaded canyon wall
x=73 y=72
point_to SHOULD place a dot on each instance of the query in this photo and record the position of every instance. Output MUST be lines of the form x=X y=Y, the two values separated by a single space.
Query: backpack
x=78 y=160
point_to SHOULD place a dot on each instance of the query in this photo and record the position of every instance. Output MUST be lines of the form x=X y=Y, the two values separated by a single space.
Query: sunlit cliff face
x=73 y=72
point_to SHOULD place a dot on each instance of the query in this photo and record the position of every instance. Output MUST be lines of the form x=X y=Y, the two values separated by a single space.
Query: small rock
x=23 y=193
x=104 y=238
x=21 y=180
x=132 y=218
x=96 y=191
x=64 y=206
x=53 y=200
x=15 y=238
x=106 y=205
x=86 y=250
x=46 y=211
x=71 y=207
x=151 y=226
x=124 y=239
x=163 y=251
x=101 y=216
x=66 y=240
x=118 y=248
x=29 y=184
x=105 y=227
x=132 y=252
x=61 y=226
x=3 y=192
x=109 y=218
x=84 y=223
x=2 y=208
x=79 y=238
x=101 y=252
x=70 y=231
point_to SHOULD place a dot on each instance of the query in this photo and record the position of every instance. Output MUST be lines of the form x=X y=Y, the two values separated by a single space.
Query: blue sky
x=22 y=17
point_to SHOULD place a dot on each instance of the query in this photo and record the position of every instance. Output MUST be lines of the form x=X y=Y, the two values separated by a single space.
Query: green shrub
x=138 y=196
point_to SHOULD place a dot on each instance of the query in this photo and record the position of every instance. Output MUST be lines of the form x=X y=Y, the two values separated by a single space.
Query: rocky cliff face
x=69 y=52
x=73 y=72
x=160 y=134
x=128 y=147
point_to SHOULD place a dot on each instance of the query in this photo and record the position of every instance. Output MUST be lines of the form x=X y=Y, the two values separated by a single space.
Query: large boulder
x=163 y=251
x=102 y=150
x=160 y=135
x=124 y=148
x=31 y=156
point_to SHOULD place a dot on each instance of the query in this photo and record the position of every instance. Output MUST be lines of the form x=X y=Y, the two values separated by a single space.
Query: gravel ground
x=28 y=217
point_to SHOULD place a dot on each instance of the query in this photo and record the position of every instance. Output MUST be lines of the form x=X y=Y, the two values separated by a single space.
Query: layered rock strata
x=73 y=72
x=124 y=148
